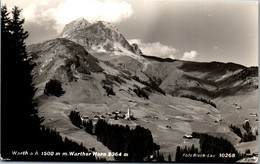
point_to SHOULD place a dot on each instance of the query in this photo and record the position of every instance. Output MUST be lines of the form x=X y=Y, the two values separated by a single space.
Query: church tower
x=128 y=115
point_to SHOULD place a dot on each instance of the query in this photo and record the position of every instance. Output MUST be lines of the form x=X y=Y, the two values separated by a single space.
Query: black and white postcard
x=129 y=81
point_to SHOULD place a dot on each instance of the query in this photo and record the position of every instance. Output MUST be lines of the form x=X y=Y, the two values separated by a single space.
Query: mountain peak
x=77 y=24
x=80 y=19
x=81 y=22
x=107 y=25
x=98 y=36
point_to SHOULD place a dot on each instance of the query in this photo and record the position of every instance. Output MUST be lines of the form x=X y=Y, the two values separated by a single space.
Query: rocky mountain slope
x=100 y=36
x=89 y=58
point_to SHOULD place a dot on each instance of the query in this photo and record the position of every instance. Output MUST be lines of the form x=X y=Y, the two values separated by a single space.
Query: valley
x=89 y=67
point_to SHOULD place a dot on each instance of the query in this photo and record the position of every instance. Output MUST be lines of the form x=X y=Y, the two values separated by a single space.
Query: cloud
x=162 y=51
x=189 y=55
x=137 y=41
x=29 y=12
x=215 y=47
x=92 y=10
x=155 y=49
x=65 y=11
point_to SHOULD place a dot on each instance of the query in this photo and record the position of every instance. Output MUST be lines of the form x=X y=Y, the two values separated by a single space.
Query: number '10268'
x=227 y=155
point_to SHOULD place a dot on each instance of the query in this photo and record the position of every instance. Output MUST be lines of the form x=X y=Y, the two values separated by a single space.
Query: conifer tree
x=178 y=154
x=19 y=117
x=169 y=158
x=18 y=34
x=5 y=27
x=89 y=127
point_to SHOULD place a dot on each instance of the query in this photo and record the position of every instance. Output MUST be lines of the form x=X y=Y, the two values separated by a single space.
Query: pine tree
x=19 y=117
x=169 y=158
x=6 y=38
x=247 y=127
x=19 y=35
x=89 y=127
x=178 y=154
x=5 y=27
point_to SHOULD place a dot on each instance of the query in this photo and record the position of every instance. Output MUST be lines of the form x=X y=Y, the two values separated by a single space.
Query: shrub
x=75 y=118
x=152 y=84
x=236 y=130
x=109 y=90
x=82 y=69
x=88 y=126
x=247 y=151
x=201 y=99
x=140 y=92
x=247 y=127
x=111 y=79
x=53 y=87
x=248 y=135
x=159 y=156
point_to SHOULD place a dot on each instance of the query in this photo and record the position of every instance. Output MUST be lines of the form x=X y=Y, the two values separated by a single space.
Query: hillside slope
x=153 y=88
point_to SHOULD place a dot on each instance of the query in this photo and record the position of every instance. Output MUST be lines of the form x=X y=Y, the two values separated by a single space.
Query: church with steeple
x=128 y=115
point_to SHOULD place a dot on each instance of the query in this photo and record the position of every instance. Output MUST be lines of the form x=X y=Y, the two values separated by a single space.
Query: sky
x=204 y=31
